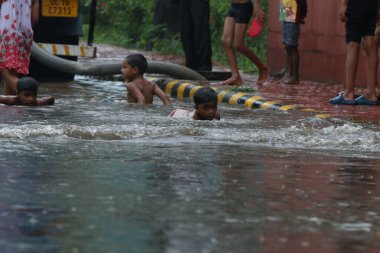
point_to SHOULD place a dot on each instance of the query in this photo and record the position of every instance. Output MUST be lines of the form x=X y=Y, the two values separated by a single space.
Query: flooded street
x=94 y=174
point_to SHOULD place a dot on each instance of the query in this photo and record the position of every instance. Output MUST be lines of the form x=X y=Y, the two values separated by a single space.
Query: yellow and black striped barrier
x=182 y=89
x=69 y=50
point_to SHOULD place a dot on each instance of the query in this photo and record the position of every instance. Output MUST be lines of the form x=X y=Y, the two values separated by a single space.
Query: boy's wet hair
x=205 y=95
x=27 y=84
x=139 y=61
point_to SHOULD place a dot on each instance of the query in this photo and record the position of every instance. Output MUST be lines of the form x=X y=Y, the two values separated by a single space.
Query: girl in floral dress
x=16 y=39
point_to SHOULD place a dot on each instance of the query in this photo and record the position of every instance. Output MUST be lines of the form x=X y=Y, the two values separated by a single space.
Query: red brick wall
x=322 y=43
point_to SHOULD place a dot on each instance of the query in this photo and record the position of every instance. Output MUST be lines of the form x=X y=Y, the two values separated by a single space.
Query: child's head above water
x=27 y=89
x=206 y=104
x=27 y=84
x=134 y=65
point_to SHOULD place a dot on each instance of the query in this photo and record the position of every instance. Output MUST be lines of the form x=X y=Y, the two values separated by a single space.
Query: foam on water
x=348 y=136
x=97 y=110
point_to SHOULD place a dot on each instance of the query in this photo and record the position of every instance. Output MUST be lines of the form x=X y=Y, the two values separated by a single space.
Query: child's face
x=127 y=71
x=27 y=98
x=206 y=111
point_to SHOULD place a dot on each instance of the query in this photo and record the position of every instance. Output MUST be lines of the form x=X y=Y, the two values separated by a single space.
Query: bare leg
x=239 y=44
x=227 y=39
x=10 y=79
x=287 y=66
x=377 y=38
x=351 y=67
x=294 y=66
x=371 y=53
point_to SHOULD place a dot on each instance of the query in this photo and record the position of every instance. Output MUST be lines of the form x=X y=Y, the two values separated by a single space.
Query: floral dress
x=16 y=35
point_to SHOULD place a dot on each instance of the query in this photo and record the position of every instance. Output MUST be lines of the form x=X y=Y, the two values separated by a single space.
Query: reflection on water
x=94 y=174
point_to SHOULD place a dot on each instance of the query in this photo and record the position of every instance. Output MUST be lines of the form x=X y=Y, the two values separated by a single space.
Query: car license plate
x=60 y=8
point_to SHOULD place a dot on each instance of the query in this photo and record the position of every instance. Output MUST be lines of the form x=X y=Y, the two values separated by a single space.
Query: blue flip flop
x=363 y=101
x=340 y=100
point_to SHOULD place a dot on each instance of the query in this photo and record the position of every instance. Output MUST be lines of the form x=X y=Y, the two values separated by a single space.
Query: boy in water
x=360 y=17
x=292 y=15
x=206 y=106
x=27 y=89
x=234 y=33
x=140 y=90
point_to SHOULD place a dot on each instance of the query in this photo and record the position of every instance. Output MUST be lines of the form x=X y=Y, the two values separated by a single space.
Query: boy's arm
x=257 y=11
x=343 y=11
x=45 y=101
x=135 y=92
x=161 y=95
x=217 y=116
x=8 y=100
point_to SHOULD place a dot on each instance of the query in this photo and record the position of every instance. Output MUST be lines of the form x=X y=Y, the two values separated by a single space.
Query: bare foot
x=377 y=92
x=291 y=80
x=263 y=76
x=232 y=81
x=280 y=74
x=284 y=78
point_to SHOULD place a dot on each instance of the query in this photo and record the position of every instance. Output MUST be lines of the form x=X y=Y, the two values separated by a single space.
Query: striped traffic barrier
x=183 y=89
x=69 y=50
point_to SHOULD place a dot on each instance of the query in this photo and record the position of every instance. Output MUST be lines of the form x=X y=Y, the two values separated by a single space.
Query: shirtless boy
x=140 y=90
x=26 y=94
x=205 y=108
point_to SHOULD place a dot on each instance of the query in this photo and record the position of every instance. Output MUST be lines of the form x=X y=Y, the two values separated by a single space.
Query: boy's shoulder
x=181 y=113
x=140 y=82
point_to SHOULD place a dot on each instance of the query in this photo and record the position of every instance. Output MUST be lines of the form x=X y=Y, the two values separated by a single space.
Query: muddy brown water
x=94 y=174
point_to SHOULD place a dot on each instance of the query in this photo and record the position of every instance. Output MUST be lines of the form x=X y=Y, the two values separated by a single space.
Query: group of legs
x=369 y=45
x=234 y=33
x=195 y=37
x=361 y=32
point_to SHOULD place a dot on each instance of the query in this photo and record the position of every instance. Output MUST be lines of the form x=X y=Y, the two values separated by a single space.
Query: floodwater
x=94 y=174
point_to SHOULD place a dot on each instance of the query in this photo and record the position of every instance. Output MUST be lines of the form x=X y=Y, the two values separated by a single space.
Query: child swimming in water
x=140 y=90
x=27 y=89
x=206 y=106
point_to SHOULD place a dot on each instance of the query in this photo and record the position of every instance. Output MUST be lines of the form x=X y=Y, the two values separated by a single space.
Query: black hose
x=110 y=68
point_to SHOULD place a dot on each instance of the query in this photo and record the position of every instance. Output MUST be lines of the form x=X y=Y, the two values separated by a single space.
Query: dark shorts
x=359 y=26
x=242 y=13
x=290 y=33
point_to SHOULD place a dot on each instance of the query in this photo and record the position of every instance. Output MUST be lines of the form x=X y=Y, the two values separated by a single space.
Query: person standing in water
x=234 y=33
x=292 y=15
x=194 y=16
x=16 y=33
x=360 y=18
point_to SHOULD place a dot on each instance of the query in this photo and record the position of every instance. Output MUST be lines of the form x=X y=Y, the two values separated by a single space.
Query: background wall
x=322 y=43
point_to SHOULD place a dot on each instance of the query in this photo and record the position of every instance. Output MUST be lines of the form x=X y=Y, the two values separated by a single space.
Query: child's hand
x=259 y=14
